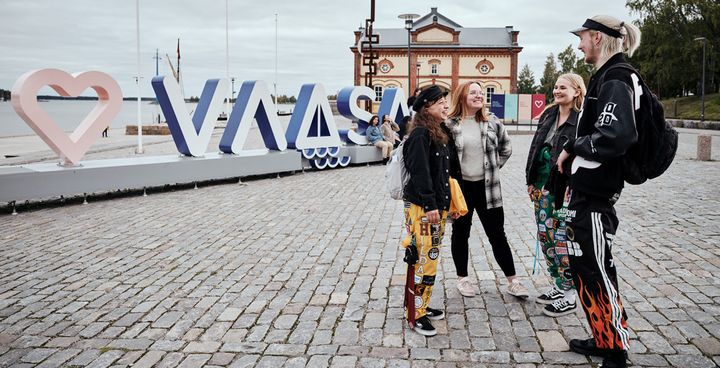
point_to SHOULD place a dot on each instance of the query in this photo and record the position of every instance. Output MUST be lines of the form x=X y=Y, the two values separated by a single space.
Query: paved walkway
x=305 y=270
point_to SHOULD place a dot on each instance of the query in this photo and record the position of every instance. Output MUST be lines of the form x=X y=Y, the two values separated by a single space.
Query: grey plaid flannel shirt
x=497 y=152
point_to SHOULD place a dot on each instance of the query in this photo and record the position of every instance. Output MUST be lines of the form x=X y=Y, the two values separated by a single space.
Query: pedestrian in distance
x=557 y=125
x=606 y=131
x=411 y=99
x=403 y=124
x=375 y=137
x=483 y=147
x=389 y=130
x=428 y=160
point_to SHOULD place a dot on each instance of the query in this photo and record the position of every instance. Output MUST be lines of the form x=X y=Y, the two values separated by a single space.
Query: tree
x=669 y=57
x=550 y=74
x=526 y=81
x=567 y=60
x=572 y=62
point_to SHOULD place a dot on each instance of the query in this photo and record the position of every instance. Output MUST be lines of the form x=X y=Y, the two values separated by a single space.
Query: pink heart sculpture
x=70 y=148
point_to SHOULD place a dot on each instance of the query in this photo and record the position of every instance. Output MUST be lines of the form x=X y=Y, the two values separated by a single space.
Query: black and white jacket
x=606 y=130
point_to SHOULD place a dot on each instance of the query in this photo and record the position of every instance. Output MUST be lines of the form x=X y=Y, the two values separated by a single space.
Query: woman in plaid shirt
x=483 y=147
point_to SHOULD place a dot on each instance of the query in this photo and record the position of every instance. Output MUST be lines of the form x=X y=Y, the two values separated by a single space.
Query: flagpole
x=276 y=62
x=137 y=80
x=227 y=59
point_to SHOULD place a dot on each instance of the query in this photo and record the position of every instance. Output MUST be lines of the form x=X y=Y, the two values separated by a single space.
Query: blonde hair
x=459 y=107
x=609 y=46
x=576 y=82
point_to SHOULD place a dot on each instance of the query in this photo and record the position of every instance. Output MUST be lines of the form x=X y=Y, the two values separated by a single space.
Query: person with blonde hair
x=556 y=126
x=606 y=131
x=483 y=147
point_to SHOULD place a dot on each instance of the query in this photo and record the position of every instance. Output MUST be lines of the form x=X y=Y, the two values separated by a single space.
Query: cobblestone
x=223 y=281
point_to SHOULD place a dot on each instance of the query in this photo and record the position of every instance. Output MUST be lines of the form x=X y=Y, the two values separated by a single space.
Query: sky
x=313 y=36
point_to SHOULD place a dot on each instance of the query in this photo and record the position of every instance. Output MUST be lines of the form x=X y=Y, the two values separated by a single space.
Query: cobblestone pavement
x=305 y=270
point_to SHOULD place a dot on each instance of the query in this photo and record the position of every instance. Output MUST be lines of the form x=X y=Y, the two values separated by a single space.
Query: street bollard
x=704 y=147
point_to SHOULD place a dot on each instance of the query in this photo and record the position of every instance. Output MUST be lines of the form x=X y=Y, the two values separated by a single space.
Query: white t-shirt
x=473 y=157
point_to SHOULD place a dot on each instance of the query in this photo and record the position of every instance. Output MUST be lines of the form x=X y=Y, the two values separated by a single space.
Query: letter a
x=393 y=104
x=254 y=101
x=312 y=124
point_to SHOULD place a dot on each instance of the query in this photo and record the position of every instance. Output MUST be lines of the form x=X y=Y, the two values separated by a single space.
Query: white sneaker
x=466 y=287
x=517 y=289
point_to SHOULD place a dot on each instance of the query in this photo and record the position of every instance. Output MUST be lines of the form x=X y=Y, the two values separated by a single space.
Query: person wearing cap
x=430 y=161
x=483 y=147
x=605 y=131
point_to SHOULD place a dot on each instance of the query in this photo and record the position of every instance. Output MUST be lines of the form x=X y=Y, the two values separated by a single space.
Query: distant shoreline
x=90 y=98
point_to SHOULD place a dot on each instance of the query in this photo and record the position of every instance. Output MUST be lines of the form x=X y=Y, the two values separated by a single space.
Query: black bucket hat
x=430 y=94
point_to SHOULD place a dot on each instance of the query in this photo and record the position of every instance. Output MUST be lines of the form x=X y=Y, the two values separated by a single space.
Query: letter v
x=253 y=100
x=191 y=136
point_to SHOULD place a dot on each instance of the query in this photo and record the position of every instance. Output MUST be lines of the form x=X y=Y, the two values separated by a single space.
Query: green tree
x=526 y=81
x=550 y=74
x=567 y=60
x=669 y=57
x=573 y=62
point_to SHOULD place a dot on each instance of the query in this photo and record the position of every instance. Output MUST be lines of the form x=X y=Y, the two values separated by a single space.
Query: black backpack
x=657 y=139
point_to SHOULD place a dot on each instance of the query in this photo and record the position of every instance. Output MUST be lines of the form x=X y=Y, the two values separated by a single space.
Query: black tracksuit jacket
x=605 y=131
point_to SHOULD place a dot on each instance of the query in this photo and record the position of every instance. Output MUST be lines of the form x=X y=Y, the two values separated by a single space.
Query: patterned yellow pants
x=426 y=237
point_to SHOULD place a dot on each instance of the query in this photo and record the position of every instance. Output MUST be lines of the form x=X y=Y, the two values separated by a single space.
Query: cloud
x=313 y=36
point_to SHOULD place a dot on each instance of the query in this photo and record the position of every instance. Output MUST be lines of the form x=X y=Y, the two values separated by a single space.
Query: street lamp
x=408 y=25
x=702 y=84
x=417 y=84
x=232 y=96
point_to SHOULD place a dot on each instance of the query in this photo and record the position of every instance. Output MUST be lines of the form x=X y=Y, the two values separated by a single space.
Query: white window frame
x=433 y=69
x=488 y=95
x=378 y=92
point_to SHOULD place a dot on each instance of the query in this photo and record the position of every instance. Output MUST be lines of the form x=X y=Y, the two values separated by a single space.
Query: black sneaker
x=434 y=314
x=588 y=347
x=560 y=308
x=614 y=361
x=424 y=327
x=550 y=296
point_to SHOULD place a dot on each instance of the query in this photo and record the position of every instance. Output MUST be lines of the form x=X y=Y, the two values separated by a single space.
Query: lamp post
x=408 y=26
x=702 y=83
x=417 y=81
x=232 y=96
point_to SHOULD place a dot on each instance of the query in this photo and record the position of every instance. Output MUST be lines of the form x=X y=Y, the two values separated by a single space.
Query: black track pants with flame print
x=591 y=227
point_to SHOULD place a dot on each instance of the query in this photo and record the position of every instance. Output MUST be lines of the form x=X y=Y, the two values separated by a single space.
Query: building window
x=378 y=93
x=488 y=95
x=484 y=69
x=433 y=69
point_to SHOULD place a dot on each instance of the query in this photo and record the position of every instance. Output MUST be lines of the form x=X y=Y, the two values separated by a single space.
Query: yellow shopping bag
x=457 y=199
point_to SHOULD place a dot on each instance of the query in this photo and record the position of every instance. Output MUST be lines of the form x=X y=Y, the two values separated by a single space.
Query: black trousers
x=493 y=222
x=591 y=227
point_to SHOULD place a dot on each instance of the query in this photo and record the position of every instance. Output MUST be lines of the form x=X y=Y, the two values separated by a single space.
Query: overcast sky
x=313 y=36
